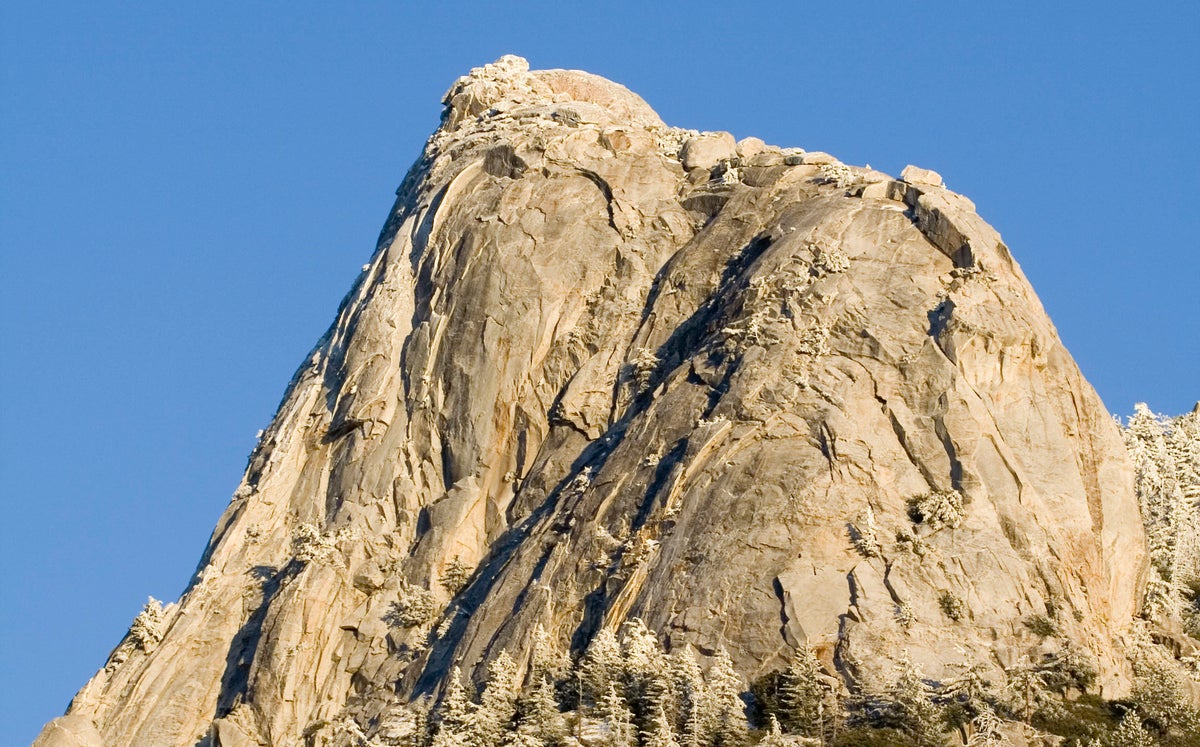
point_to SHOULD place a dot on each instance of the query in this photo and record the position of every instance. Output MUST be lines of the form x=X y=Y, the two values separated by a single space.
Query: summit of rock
x=508 y=85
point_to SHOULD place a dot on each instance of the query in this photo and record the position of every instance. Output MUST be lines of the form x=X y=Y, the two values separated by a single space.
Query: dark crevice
x=939 y=318
x=235 y=681
x=661 y=480
x=606 y=190
x=783 y=618
x=344 y=428
x=956 y=467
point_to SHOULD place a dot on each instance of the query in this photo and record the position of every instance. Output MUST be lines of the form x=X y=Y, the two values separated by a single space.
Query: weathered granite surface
x=621 y=369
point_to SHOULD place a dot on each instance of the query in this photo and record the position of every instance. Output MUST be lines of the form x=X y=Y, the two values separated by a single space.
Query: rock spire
x=601 y=369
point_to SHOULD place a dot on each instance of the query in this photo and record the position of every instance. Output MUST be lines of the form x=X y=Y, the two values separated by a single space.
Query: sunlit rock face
x=598 y=369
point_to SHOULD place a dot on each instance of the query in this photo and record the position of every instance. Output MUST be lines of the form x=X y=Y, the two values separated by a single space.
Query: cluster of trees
x=1166 y=457
x=623 y=692
x=627 y=691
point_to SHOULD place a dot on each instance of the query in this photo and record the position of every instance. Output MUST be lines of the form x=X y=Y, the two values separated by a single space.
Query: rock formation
x=600 y=369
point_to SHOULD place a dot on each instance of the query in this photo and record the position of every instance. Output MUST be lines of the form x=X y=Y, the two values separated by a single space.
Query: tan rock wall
x=618 y=388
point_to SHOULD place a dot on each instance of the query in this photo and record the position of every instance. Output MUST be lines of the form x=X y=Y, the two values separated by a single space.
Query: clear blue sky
x=187 y=190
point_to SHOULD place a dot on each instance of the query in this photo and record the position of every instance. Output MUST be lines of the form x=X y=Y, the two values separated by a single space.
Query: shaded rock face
x=771 y=400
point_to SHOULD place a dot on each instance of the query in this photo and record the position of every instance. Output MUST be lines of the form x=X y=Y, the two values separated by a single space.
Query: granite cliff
x=599 y=370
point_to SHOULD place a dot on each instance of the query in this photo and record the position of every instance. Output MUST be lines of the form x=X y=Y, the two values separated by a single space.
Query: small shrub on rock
x=864 y=535
x=951 y=605
x=415 y=606
x=147 y=628
x=829 y=260
x=311 y=545
x=455 y=576
x=937 y=509
x=839 y=174
x=1042 y=626
x=642 y=366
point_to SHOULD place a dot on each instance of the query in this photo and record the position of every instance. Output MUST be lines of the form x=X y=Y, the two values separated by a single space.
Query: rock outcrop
x=600 y=368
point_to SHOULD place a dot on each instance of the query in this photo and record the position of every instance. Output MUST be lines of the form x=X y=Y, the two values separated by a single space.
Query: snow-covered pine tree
x=642 y=654
x=1161 y=691
x=147 y=628
x=419 y=736
x=687 y=679
x=1130 y=733
x=539 y=722
x=455 y=576
x=803 y=706
x=1183 y=447
x=774 y=737
x=1025 y=690
x=725 y=708
x=659 y=732
x=614 y=712
x=546 y=659
x=919 y=715
x=600 y=667
x=985 y=730
x=1166 y=457
x=1145 y=440
x=493 y=718
x=454 y=714
x=646 y=675
x=967 y=695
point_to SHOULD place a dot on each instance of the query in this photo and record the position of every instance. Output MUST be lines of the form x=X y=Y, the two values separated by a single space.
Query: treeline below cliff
x=627 y=691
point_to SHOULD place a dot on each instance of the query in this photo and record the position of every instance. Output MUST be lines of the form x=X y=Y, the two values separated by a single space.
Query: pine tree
x=659 y=731
x=1145 y=439
x=985 y=729
x=455 y=575
x=493 y=719
x=802 y=695
x=688 y=682
x=419 y=737
x=1165 y=453
x=600 y=667
x=454 y=714
x=618 y=720
x=725 y=709
x=919 y=716
x=147 y=628
x=646 y=675
x=967 y=697
x=539 y=722
x=1161 y=691
x=774 y=736
x=1025 y=691
x=1183 y=449
x=642 y=654
x=545 y=659
x=1130 y=733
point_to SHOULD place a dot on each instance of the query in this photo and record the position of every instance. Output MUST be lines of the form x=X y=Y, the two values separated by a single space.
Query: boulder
x=707 y=150
x=916 y=175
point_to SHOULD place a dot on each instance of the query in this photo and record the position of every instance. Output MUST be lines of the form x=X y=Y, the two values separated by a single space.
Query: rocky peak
x=601 y=372
x=507 y=87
